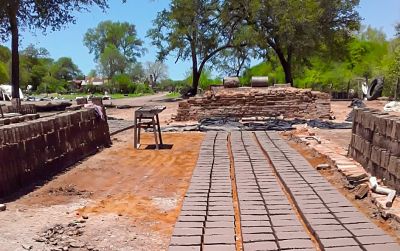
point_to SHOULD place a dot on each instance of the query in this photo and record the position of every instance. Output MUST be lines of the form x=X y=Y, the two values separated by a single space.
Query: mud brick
x=185 y=240
x=264 y=245
x=351 y=248
x=367 y=232
x=219 y=239
x=184 y=224
x=255 y=223
x=292 y=235
x=221 y=218
x=333 y=234
x=191 y=218
x=257 y=237
x=338 y=242
x=219 y=247
x=381 y=247
x=219 y=231
x=219 y=224
x=380 y=239
x=295 y=244
x=256 y=230
x=187 y=231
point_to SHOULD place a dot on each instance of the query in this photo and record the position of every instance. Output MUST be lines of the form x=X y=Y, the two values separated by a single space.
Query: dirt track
x=131 y=197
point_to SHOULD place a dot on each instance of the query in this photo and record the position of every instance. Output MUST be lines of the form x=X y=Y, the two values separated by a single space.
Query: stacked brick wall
x=24 y=109
x=32 y=150
x=249 y=102
x=375 y=143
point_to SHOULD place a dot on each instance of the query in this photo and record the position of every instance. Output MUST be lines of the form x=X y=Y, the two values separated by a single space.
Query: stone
x=323 y=166
x=3 y=207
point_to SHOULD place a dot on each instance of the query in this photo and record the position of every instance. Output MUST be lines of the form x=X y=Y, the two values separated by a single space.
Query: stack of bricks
x=375 y=144
x=248 y=102
x=36 y=149
x=24 y=109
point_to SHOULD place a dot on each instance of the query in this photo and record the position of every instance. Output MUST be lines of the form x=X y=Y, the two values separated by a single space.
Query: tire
x=375 y=89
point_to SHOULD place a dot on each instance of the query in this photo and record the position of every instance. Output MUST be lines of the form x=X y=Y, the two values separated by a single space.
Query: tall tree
x=64 y=68
x=120 y=36
x=111 y=61
x=33 y=14
x=295 y=29
x=156 y=71
x=197 y=30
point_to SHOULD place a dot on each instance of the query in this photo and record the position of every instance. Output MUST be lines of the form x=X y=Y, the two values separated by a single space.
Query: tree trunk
x=15 y=54
x=195 y=84
x=287 y=67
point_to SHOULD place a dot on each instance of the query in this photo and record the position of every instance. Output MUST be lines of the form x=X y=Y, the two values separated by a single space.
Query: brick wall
x=39 y=148
x=375 y=144
x=249 y=102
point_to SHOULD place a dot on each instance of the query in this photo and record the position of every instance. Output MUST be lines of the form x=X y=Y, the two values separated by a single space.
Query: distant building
x=93 y=81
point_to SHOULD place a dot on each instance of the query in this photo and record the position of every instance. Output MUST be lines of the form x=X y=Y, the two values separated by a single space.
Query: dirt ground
x=129 y=198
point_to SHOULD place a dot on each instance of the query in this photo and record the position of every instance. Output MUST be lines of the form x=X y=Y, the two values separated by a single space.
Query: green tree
x=4 y=78
x=20 y=14
x=196 y=30
x=112 y=61
x=295 y=29
x=34 y=65
x=120 y=36
x=64 y=68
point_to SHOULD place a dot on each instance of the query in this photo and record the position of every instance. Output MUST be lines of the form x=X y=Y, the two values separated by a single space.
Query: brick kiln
x=248 y=102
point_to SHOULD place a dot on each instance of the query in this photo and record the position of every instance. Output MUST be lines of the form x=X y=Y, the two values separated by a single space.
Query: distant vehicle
x=5 y=93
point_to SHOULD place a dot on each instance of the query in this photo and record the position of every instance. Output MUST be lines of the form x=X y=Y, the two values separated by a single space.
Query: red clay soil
x=145 y=185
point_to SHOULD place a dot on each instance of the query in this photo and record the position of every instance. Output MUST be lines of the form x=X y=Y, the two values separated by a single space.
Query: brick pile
x=24 y=109
x=36 y=149
x=248 y=102
x=375 y=144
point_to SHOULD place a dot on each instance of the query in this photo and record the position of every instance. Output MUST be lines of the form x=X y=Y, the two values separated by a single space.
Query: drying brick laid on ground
x=283 y=202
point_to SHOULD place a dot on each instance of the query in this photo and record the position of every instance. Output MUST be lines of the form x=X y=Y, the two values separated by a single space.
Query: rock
x=361 y=191
x=323 y=166
x=77 y=244
x=2 y=207
x=85 y=217
x=27 y=247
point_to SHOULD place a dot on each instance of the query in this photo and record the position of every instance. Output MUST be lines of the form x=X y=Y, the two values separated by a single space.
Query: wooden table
x=147 y=117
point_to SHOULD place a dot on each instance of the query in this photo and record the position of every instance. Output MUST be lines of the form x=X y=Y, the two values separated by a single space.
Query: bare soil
x=129 y=198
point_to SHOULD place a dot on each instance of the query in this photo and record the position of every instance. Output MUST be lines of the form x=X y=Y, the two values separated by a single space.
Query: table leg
x=135 y=133
x=159 y=129
x=155 y=133
x=139 y=131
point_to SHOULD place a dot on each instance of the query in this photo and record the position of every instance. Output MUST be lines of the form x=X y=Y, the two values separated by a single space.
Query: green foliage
x=52 y=85
x=4 y=78
x=143 y=89
x=205 y=79
x=274 y=73
x=123 y=83
x=115 y=46
x=65 y=69
x=196 y=31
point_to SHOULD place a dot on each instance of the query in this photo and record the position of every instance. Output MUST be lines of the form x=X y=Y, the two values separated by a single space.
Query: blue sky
x=68 y=42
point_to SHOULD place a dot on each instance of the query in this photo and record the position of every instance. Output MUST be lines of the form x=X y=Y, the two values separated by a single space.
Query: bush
x=52 y=85
x=123 y=83
x=143 y=89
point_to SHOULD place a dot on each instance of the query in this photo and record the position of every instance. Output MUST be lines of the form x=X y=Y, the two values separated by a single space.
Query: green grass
x=173 y=95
